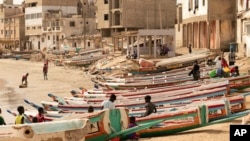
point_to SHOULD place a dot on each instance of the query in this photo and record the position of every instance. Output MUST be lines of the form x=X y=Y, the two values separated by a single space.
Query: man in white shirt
x=109 y=104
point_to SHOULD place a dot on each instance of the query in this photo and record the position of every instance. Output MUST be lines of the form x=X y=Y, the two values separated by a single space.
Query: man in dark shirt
x=150 y=107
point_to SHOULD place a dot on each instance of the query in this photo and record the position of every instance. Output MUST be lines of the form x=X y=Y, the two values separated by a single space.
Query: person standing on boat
x=20 y=116
x=45 y=72
x=2 y=122
x=109 y=104
x=150 y=107
x=40 y=115
x=195 y=71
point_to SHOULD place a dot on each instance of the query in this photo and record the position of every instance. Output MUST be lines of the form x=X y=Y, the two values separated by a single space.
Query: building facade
x=206 y=23
x=243 y=27
x=48 y=23
x=114 y=16
x=12 y=33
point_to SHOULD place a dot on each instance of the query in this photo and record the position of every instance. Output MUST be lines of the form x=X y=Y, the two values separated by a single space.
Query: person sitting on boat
x=90 y=109
x=132 y=123
x=40 y=115
x=2 y=122
x=20 y=116
x=235 y=71
x=150 y=107
x=34 y=120
x=195 y=71
x=109 y=104
x=25 y=79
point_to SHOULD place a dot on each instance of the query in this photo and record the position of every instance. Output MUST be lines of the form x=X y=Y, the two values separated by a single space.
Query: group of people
x=149 y=106
x=223 y=69
x=21 y=117
x=45 y=73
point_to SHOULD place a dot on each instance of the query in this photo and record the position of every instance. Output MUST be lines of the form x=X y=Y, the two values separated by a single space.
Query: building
x=12 y=33
x=206 y=23
x=243 y=27
x=114 y=16
x=48 y=23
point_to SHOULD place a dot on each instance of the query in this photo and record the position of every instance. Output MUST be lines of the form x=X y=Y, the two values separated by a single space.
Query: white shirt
x=107 y=104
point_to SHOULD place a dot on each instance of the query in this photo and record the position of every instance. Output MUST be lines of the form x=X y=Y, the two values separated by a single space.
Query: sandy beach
x=60 y=81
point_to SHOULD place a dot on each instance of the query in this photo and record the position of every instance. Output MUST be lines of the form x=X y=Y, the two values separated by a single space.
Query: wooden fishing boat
x=79 y=127
x=186 y=119
x=64 y=130
x=140 y=103
x=91 y=98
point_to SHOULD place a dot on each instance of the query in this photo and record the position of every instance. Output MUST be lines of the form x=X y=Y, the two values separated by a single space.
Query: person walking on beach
x=25 y=79
x=2 y=122
x=45 y=72
x=190 y=49
x=109 y=104
x=150 y=107
x=20 y=116
x=195 y=71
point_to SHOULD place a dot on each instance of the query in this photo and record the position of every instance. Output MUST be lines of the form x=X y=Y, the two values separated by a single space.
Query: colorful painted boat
x=140 y=103
x=65 y=130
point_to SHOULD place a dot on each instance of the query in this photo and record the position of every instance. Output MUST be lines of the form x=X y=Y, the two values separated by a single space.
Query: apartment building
x=243 y=27
x=114 y=16
x=206 y=23
x=12 y=33
x=48 y=23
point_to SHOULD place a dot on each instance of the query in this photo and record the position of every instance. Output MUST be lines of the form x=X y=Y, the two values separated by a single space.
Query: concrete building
x=114 y=16
x=11 y=25
x=243 y=27
x=48 y=23
x=206 y=23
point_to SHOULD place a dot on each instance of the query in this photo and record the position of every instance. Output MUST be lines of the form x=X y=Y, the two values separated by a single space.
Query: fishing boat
x=64 y=130
x=139 y=103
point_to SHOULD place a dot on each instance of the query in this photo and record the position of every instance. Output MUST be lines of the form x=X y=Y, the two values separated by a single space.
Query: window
x=106 y=1
x=196 y=4
x=62 y=36
x=48 y=37
x=204 y=3
x=1 y=31
x=33 y=27
x=106 y=17
x=71 y=23
x=28 y=28
x=42 y=39
x=190 y=5
x=39 y=15
x=39 y=27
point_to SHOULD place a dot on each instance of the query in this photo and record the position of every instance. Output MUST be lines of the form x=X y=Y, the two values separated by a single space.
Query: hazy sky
x=15 y=1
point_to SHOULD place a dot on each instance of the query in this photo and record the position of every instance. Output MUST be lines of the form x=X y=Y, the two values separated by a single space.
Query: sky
x=15 y=1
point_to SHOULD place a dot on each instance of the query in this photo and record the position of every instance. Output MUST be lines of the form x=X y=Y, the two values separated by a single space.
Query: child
x=90 y=109
x=150 y=107
x=132 y=123
x=40 y=115
x=20 y=117
x=2 y=122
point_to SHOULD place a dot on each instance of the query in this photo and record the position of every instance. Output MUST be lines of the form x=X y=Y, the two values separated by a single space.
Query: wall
x=200 y=11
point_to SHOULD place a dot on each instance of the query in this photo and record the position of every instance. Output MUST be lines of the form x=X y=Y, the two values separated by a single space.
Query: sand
x=60 y=81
